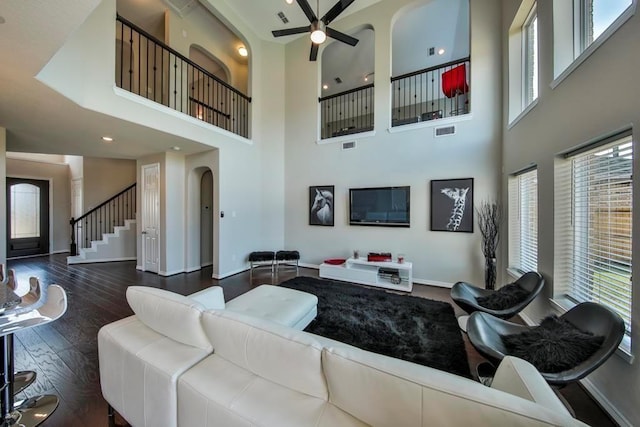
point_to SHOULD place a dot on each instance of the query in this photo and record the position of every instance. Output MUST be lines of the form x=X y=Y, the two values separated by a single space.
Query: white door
x=150 y=211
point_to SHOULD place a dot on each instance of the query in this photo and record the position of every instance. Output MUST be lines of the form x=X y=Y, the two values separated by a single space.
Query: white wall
x=59 y=196
x=75 y=166
x=104 y=178
x=600 y=96
x=3 y=195
x=257 y=202
x=412 y=157
x=173 y=225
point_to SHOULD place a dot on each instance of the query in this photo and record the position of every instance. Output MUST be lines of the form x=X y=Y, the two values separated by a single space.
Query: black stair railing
x=347 y=112
x=149 y=68
x=431 y=93
x=102 y=219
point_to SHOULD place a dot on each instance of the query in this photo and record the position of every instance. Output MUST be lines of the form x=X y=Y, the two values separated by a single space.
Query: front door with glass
x=27 y=217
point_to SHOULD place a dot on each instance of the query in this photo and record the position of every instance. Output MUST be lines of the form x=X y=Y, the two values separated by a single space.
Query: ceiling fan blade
x=335 y=11
x=313 y=55
x=291 y=31
x=344 y=38
x=304 y=5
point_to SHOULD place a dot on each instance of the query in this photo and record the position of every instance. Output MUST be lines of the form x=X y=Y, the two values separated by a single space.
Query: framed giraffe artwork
x=452 y=205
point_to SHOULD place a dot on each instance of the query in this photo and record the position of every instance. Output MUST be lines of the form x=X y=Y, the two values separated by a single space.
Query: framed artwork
x=321 y=205
x=452 y=205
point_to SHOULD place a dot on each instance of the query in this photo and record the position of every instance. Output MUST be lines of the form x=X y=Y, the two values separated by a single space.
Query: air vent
x=338 y=80
x=182 y=7
x=444 y=131
x=348 y=145
x=283 y=18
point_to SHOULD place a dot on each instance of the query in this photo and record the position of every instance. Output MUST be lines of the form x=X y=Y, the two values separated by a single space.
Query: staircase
x=107 y=232
x=117 y=246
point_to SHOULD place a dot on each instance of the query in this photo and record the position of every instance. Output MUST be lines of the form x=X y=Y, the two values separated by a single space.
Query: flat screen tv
x=386 y=206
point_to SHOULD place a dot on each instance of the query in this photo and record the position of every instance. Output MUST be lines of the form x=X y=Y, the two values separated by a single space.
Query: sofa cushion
x=217 y=392
x=279 y=354
x=383 y=391
x=169 y=314
x=139 y=370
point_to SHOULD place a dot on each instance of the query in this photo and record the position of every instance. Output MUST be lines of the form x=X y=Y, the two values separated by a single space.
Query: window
x=593 y=223
x=595 y=16
x=25 y=211
x=523 y=61
x=530 y=57
x=523 y=221
x=593 y=22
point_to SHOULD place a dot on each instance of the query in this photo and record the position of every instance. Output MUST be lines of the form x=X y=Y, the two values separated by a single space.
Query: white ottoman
x=285 y=306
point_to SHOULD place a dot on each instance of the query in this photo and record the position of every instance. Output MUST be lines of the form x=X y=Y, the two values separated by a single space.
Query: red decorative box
x=377 y=257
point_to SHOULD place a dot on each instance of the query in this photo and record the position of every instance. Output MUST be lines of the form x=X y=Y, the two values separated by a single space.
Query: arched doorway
x=206 y=219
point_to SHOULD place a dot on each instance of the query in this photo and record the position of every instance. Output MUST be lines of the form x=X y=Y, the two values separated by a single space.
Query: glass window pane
x=25 y=211
x=598 y=15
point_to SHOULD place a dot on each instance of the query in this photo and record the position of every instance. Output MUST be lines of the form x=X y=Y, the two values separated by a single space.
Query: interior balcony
x=149 y=68
x=432 y=93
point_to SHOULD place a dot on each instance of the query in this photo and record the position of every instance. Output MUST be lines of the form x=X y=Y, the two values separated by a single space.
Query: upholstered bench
x=262 y=259
x=285 y=306
x=290 y=258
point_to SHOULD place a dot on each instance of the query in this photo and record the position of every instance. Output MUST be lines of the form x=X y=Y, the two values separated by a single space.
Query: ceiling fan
x=319 y=27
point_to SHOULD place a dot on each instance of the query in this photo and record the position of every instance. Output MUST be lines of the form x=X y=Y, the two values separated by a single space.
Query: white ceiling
x=262 y=15
x=40 y=120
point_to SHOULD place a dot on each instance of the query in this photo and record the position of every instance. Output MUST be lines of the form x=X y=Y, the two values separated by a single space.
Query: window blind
x=530 y=43
x=523 y=221
x=593 y=224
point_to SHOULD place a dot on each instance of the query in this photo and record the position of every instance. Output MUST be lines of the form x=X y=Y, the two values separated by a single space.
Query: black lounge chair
x=488 y=333
x=466 y=296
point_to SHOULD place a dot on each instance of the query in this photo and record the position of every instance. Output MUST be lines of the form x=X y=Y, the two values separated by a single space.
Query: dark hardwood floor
x=65 y=355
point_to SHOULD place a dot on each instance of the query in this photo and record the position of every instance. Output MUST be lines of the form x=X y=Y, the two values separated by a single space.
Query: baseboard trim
x=61 y=251
x=170 y=273
x=605 y=403
x=139 y=268
x=433 y=283
x=92 y=261
x=230 y=273
x=307 y=265
x=192 y=269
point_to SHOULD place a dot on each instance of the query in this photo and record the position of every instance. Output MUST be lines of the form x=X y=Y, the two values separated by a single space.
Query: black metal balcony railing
x=102 y=219
x=431 y=93
x=150 y=68
x=347 y=112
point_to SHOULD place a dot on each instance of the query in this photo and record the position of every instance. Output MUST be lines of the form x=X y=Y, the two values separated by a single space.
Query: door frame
x=37 y=178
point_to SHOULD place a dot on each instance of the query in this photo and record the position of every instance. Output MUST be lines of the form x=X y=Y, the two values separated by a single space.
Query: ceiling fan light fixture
x=318 y=36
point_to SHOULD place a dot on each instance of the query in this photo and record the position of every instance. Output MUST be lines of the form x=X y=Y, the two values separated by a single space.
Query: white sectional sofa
x=174 y=363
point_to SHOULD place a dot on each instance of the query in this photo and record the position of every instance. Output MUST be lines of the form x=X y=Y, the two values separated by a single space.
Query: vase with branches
x=490 y=218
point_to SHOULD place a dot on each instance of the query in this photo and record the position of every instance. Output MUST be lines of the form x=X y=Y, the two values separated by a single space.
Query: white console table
x=384 y=274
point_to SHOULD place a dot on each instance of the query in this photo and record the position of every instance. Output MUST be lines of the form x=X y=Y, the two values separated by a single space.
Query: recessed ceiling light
x=107 y=139
x=325 y=87
x=440 y=51
x=175 y=148
x=289 y=1
x=243 y=51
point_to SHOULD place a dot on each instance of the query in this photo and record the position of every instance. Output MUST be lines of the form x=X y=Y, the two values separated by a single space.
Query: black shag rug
x=410 y=328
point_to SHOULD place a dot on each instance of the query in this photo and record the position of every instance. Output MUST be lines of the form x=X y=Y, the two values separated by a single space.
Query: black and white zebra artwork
x=321 y=205
x=452 y=205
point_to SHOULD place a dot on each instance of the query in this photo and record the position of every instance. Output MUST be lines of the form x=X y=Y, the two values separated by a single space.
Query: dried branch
x=490 y=218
